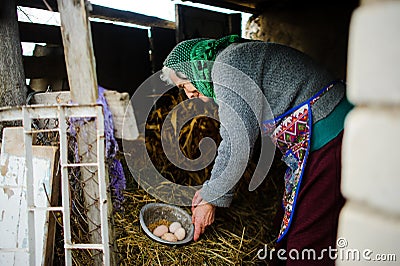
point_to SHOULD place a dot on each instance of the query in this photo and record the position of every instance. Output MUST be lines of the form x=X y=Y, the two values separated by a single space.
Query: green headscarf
x=192 y=58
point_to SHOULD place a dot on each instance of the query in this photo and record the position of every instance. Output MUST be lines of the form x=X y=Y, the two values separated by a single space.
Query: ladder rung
x=14 y=250
x=12 y=187
x=84 y=246
x=54 y=209
x=79 y=164
x=41 y=130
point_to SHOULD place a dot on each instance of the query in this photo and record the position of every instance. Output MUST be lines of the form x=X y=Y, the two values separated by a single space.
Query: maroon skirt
x=315 y=221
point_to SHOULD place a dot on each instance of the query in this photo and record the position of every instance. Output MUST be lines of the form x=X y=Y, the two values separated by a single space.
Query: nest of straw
x=237 y=233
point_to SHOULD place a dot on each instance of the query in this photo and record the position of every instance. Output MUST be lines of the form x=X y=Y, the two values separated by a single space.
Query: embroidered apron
x=291 y=133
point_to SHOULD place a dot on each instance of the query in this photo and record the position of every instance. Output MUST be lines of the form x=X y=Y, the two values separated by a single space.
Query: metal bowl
x=153 y=212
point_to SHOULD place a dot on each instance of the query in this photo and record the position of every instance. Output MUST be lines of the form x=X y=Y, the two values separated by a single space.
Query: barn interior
x=125 y=57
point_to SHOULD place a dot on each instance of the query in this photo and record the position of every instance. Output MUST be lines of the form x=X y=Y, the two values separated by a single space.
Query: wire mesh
x=85 y=211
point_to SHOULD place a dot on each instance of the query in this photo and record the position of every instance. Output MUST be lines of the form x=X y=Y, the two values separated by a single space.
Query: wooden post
x=78 y=50
x=81 y=69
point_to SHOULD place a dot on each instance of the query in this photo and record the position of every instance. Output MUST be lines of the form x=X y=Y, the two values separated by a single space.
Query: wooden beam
x=52 y=4
x=130 y=17
x=243 y=6
x=107 y=14
x=32 y=32
x=78 y=50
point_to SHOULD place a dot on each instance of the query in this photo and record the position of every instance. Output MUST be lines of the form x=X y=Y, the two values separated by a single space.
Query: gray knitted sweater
x=243 y=76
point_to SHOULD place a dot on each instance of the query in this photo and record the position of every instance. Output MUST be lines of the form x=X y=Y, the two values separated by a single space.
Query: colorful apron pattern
x=291 y=133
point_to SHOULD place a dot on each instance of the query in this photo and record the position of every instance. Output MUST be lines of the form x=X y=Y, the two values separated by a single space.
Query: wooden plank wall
x=122 y=54
x=191 y=23
x=162 y=42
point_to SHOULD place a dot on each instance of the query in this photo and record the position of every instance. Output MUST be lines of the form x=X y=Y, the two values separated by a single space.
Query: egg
x=160 y=230
x=174 y=226
x=169 y=237
x=180 y=233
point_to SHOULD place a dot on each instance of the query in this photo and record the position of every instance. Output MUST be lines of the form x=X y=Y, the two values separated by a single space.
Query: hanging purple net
x=115 y=170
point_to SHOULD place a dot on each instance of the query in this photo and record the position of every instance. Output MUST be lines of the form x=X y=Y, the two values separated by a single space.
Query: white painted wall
x=370 y=221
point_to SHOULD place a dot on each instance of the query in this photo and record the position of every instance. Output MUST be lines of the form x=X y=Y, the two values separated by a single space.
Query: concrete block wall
x=370 y=221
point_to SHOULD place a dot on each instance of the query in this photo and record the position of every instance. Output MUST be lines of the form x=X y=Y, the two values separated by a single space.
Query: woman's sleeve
x=240 y=107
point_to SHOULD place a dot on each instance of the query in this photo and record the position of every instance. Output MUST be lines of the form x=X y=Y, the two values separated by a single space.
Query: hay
x=234 y=238
x=237 y=233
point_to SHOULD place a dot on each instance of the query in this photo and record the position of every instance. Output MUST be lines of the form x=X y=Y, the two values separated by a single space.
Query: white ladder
x=62 y=112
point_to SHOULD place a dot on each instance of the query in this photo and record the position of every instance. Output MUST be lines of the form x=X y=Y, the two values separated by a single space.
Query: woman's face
x=190 y=90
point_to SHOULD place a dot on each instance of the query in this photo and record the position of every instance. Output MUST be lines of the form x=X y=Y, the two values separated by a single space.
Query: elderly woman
x=303 y=98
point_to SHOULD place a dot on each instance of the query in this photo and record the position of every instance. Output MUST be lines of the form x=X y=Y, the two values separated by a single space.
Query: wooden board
x=125 y=125
x=13 y=204
x=119 y=103
x=78 y=51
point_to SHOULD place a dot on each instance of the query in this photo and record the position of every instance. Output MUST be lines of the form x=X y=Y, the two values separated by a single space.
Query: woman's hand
x=203 y=214
x=196 y=200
